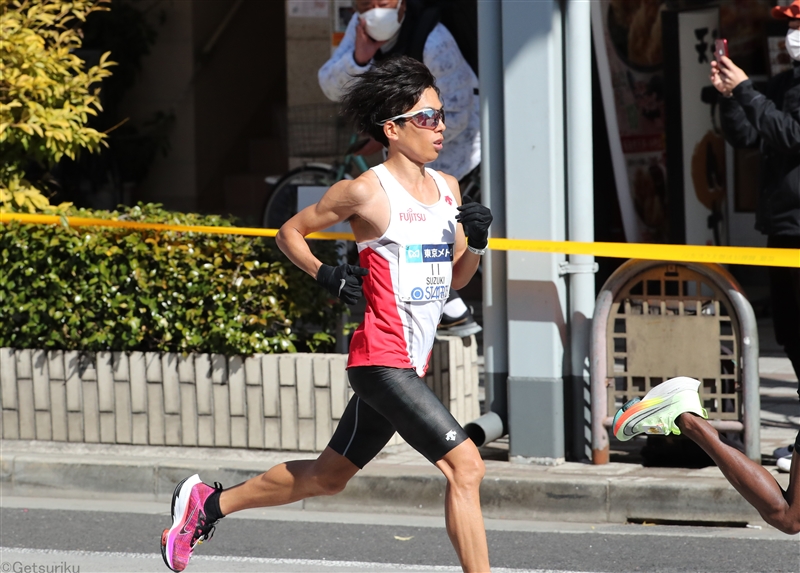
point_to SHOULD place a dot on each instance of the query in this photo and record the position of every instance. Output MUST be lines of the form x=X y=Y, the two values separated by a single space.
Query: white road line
x=9 y=553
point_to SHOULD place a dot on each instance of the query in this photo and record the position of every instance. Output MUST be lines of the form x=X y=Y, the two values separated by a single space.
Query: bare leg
x=289 y=482
x=464 y=469
x=778 y=508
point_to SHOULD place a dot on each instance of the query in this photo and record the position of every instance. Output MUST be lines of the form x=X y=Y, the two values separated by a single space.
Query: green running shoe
x=655 y=413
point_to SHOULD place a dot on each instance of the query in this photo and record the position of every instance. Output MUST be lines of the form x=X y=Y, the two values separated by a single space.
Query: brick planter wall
x=268 y=401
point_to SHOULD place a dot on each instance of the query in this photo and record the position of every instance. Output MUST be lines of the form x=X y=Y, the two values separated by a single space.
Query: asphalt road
x=76 y=536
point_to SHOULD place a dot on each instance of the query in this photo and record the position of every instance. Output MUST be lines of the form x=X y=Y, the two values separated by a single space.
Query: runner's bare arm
x=338 y=204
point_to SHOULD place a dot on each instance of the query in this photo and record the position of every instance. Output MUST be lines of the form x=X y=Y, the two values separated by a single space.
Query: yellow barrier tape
x=684 y=253
x=679 y=253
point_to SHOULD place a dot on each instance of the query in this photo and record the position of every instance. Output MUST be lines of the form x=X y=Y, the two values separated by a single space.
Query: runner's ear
x=391 y=130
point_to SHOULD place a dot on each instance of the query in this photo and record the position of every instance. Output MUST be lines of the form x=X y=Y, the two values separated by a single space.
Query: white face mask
x=382 y=23
x=793 y=44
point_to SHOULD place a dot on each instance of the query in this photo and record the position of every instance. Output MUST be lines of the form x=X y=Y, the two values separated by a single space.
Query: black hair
x=390 y=88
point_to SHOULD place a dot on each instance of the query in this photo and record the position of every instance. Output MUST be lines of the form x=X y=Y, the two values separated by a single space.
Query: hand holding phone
x=720 y=49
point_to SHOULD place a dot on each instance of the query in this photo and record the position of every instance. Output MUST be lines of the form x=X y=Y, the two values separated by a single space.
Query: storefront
x=676 y=179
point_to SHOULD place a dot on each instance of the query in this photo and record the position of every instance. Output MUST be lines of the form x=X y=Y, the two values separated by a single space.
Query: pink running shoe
x=189 y=523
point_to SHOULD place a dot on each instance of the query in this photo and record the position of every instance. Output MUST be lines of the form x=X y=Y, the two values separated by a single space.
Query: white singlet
x=410 y=270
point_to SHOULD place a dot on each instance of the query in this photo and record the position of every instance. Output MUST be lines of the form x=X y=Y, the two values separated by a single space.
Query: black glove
x=343 y=282
x=476 y=219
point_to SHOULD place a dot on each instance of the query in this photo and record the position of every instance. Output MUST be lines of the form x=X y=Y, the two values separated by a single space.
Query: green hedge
x=119 y=289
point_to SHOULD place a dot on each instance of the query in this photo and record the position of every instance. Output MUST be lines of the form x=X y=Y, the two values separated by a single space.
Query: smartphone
x=720 y=48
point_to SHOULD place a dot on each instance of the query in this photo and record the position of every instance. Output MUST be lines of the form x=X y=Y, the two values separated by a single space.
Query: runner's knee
x=329 y=484
x=329 y=474
x=781 y=517
x=785 y=524
x=468 y=472
x=793 y=528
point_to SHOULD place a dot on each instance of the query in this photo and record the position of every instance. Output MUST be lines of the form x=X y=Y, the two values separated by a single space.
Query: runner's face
x=419 y=144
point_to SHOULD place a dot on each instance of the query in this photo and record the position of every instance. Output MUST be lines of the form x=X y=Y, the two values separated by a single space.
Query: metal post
x=492 y=424
x=535 y=209
x=580 y=210
x=741 y=311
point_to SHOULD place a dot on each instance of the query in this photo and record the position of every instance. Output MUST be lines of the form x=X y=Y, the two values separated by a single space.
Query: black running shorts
x=388 y=400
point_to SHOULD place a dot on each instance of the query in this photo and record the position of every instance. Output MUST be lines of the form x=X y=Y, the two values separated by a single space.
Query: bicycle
x=314 y=131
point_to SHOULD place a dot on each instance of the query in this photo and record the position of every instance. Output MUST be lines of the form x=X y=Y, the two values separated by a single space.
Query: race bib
x=425 y=272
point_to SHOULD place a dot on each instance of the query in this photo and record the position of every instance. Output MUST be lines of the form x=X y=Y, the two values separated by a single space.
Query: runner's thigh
x=361 y=434
x=412 y=408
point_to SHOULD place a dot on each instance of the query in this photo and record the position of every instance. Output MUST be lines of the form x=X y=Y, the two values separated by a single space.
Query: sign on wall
x=695 y=146
x=307 y=8
x=342 y=14
x=628 y=44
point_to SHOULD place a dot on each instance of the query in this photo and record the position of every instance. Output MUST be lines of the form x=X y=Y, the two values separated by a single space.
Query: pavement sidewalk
x=402 y=481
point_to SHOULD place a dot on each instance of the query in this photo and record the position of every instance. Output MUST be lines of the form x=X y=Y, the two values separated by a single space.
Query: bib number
x=425 y=272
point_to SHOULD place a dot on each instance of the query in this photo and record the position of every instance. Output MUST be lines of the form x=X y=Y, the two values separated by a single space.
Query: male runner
x=673 y=407
x=405 y=219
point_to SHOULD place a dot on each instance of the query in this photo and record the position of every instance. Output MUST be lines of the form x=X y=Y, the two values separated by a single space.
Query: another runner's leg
x=778 y=508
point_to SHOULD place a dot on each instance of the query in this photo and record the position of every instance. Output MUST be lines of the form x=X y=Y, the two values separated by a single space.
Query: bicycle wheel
x=282 y=203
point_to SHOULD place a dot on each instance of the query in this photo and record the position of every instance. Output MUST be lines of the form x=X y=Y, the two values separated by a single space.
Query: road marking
x=313 y=564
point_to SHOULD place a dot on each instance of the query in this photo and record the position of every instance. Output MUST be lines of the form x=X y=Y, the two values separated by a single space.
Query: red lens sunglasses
x=427 y=118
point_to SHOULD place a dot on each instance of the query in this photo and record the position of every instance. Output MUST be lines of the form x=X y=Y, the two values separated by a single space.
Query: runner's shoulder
x=452 y=183
x=364 y=187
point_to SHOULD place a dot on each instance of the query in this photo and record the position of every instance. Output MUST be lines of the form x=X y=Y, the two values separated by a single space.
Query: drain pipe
x=580 y=206
x=493 y=424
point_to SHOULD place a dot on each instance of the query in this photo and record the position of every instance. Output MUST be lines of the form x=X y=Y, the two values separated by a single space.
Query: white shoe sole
x=461 y=330
x=673 y=386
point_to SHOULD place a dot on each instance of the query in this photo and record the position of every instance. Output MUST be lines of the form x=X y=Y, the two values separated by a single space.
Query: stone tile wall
x=276 y=402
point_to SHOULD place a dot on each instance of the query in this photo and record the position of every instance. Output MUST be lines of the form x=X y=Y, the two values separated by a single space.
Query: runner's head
x=389 y=89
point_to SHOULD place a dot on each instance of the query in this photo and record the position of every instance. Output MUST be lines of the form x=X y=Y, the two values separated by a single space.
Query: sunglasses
x=427 y=118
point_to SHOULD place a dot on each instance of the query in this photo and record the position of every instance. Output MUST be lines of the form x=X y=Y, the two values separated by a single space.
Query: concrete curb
x=615 y=493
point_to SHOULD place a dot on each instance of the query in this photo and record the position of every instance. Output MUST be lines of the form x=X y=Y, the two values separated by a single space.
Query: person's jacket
x=771 y=123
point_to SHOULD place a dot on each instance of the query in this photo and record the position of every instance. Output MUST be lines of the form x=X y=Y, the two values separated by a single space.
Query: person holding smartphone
x=771 y=123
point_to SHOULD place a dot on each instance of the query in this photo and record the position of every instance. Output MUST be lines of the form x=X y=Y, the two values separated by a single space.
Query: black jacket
x=770 y=122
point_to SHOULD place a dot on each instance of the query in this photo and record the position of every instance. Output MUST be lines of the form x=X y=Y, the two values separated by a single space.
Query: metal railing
x=654 y=321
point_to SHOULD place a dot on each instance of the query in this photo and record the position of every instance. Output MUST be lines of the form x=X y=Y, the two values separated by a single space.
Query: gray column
x=535 y=209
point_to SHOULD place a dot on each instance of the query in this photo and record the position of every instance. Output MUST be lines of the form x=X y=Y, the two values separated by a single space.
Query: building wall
x=308 y=47
x=228 y=104
x=165 y=85
x=240 y=93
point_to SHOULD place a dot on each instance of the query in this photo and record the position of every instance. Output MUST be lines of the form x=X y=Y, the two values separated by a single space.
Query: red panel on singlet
x=379 y=340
